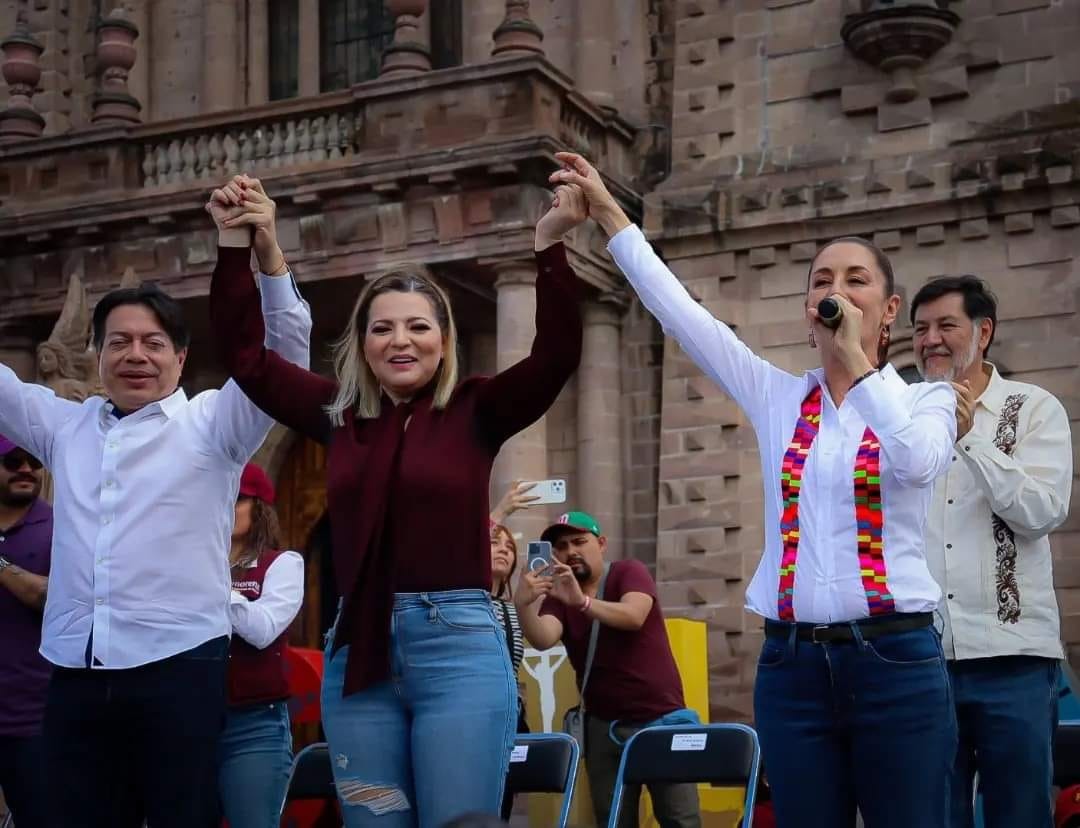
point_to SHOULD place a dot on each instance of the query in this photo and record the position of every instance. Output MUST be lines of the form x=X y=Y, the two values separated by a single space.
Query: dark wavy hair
x=263 y=534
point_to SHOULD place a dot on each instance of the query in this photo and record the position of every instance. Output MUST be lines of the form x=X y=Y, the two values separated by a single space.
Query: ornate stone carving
x=408 y=54
x=517 y=34
x=898 y=36
x=113 y=103
x=22 y=71
x=67 y=361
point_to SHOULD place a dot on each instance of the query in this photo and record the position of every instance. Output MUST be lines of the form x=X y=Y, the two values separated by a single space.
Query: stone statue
x=67 y=361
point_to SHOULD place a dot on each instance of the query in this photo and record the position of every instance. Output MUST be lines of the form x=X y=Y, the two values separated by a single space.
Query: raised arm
x=265 y=349
x=30 y=414
x=710 y=343
x=518 y=396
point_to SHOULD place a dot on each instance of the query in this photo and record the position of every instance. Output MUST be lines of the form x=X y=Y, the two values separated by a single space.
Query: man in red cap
x=26 y=523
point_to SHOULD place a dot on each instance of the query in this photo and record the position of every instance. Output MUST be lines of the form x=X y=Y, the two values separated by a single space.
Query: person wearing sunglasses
x=26 y=522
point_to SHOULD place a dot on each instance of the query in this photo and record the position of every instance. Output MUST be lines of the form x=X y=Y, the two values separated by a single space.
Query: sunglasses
x=13 y=461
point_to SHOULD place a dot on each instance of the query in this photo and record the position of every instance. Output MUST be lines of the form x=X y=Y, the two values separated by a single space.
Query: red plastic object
x=1067 y=809
x=303 y=670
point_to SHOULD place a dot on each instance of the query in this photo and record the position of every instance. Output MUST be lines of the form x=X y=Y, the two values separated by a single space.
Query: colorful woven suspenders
x=869 y=516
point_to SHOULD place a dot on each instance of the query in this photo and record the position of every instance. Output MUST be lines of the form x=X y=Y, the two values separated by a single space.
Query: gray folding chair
x=311 y=776
x=545 y=763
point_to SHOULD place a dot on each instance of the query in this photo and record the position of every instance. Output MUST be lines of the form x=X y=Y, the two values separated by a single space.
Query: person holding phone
x=416 y=663
x=852 y=699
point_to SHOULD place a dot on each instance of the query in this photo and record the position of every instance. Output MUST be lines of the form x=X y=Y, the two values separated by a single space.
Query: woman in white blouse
x=851 y=699
x=255 y=751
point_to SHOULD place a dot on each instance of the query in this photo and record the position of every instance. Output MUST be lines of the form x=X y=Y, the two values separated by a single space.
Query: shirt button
x=967 y=448
x=954 y=457
x=100 y=601
x=950 y=596
x=948 y=546
x=106 y=520
x=950 y=501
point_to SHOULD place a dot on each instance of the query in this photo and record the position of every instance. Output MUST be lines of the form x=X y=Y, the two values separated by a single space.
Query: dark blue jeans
x=867 y=724
x=22 y=778
x=1006 y=709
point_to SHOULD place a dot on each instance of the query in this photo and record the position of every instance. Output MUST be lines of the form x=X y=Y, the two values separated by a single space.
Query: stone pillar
x=409 y=54
x=524 y=456
x=113 y=104
x=599 y=424
x=139 y=76
x=309 y=67
x=221 y=46
x=22 y=71
x=518 y=34
x=258 y=52
x=593 y=72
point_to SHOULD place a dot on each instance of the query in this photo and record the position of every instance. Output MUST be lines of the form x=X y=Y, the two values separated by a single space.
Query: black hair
x=167 y=310
x=979 y=301
x=883 y=264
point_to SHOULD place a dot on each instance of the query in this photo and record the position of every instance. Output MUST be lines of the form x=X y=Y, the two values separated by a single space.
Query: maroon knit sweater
x=408 y=507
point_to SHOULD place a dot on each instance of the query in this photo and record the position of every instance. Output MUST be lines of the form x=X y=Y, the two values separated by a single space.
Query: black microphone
x=829 y=312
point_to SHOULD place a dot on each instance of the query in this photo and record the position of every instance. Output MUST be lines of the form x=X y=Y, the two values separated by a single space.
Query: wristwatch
x=4 y=563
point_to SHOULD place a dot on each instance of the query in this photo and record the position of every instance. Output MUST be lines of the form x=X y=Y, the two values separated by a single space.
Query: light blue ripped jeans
x=434 y=741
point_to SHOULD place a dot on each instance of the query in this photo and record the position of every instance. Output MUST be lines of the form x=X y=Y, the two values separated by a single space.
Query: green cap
x=579 y=521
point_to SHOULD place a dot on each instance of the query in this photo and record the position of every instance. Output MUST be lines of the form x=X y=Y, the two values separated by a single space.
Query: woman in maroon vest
x=419 y=700
x=255 y=752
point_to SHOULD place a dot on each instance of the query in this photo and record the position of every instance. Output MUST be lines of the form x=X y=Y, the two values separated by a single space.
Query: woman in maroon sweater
x=419 y=698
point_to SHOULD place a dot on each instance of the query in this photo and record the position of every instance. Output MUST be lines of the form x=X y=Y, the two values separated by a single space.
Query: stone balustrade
x=213 y=154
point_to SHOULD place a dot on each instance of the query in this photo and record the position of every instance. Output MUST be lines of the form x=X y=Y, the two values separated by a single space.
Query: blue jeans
x=864 y=723
x=433 y=741
x=1006 y=708
x=254 y=758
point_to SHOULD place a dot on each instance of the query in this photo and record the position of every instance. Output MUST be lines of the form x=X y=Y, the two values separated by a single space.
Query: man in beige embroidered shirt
x=988 y=547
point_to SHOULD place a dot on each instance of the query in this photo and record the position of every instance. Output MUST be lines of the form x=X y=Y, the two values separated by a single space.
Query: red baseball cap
x=254 y=482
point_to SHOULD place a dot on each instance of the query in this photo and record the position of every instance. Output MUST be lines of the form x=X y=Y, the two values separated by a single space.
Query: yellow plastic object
x=550 y=689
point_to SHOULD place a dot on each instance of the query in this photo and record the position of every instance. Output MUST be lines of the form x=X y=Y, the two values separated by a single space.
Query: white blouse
x=915 y=425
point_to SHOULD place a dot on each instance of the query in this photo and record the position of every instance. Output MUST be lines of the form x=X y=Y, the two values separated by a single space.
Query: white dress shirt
x=986 y=539
x=144 y=505
x=915 y=425
x=260 y=621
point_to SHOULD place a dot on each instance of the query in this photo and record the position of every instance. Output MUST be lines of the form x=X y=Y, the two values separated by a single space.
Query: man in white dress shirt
x=988 y=547
x=137 y=615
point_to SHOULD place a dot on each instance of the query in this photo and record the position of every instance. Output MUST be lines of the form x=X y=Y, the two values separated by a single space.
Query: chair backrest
x=721 y=754
x=542 y=763
x=1067 y=754
x=727 y=755
x=312 y=776
x=545 y=763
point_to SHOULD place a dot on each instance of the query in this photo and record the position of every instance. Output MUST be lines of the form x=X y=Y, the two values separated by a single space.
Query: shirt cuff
x=551 y=258
x=279 y=292
x=880 y=406
x=622 y=243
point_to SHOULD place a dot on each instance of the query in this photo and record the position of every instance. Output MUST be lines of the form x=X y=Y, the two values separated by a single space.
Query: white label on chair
x=688 y=741
x=519 y=754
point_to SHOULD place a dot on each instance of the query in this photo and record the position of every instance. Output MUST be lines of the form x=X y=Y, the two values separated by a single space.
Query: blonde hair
x=357 y=386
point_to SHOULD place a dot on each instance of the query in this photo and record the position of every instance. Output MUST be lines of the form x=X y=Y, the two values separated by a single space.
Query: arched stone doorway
x=302 y=510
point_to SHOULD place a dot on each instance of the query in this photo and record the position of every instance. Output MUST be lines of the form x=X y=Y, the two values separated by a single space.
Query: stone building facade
x=742 y=133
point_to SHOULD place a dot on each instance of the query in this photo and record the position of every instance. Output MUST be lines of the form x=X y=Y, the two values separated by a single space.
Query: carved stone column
x=22 y=71
x=518 y=34
x=113 y=104
x=258 y=52
x=524 y=456
x=409 y=53
x=593 y=70
x=599 y=422
x=221 y=47
x=139 y=76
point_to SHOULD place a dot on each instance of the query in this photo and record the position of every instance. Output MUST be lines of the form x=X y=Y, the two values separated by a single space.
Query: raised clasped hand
x=242 y=203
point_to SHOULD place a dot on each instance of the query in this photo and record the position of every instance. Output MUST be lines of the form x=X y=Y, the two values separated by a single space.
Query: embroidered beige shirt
x=987 y=539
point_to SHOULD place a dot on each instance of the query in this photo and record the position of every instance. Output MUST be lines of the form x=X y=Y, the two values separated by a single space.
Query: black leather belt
x=869 y=628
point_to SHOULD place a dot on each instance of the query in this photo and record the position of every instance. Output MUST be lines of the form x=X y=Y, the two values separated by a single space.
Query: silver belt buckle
x=814 y=633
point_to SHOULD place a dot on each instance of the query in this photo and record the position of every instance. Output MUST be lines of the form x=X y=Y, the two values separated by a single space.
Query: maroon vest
x=256 y=676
